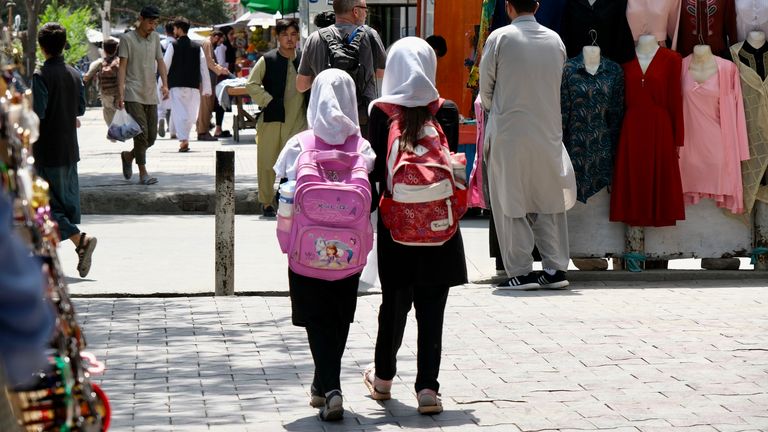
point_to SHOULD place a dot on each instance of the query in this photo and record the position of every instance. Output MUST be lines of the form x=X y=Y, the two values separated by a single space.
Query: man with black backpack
x=349 y=45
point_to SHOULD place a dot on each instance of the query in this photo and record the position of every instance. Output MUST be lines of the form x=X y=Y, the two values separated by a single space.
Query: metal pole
x=225 y=223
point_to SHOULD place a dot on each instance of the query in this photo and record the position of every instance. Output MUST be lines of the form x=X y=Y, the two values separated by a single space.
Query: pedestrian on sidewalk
x=164 y=107
x=59 y=98
x=140 y=56
x=188 y=78
x=208 y=103
x=418 y=276
x=326 y=308
x=105 y=71
x=531 y=180
x=226 y=55
x=272 y=85
x=358 y=46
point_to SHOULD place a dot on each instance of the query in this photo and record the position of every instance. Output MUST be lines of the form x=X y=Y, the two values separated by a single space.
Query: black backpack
x=344 y=54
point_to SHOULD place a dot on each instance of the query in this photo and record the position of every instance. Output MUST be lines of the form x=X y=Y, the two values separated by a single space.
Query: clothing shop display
x=751 y=15
x=592 y=108
x=549 y=14
x=707 y=22
x=607 y=22
x=660 y=18
x=754 y=90
x=646 y=187
x=715 y=138
x=755 y=58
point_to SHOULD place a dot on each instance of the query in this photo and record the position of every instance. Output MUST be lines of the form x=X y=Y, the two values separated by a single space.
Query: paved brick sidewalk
x=644 y=357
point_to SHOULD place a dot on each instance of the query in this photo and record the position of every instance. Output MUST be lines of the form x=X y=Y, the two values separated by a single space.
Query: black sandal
x=84 y=254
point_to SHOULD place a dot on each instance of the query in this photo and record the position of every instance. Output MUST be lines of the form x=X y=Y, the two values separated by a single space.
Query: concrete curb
x=109 y=201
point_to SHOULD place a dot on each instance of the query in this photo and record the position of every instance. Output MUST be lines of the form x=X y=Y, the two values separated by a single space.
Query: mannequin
x=646 y=49
x=592 y=2
x=591 y=58
x=703 y=65
x=756 y=39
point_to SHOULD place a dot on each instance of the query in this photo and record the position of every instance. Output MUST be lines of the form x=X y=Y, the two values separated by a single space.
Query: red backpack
x=425 y=195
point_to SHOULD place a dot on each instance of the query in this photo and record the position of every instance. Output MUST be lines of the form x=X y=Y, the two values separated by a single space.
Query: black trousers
x=396 y=301
x=327 y=342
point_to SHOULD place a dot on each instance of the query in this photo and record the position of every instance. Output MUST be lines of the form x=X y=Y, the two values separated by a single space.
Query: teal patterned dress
x=592 y=108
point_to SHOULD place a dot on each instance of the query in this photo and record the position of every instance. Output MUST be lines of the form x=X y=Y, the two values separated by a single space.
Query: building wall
x=455 y=20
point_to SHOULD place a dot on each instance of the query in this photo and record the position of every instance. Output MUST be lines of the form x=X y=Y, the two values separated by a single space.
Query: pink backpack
x=425 y=195
x=331 y=233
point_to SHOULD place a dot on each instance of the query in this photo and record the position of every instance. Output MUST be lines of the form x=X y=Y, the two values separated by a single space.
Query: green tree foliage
x=76 y=21
x=200 y=12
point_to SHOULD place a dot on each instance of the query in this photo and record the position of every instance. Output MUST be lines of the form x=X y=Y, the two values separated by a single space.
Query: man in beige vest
x=207 y=103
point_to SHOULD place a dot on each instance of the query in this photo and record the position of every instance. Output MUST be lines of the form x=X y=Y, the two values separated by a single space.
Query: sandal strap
x=81 y=243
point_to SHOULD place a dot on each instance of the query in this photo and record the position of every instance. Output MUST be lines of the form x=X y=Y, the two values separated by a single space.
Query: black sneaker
x=524 y=282
x=268 y=211
x=317 y=399
x=334 y=406
x=555 y=281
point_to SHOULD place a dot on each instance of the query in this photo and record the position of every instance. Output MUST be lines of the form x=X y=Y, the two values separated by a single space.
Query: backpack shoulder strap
x=329 y=36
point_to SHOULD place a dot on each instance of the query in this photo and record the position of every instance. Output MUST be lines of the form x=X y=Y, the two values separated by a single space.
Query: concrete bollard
x=225 y=223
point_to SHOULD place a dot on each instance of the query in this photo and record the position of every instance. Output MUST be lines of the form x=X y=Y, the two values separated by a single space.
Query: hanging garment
x=755 y=58
x=486 y=19
x=592 y=108
x=755 y=95
x=751 y=15
x=607 y=18
x=549 y=14
x=707 y=22
x=646 y=188
x=715 y=137
x=660 y=18
x=476 y=196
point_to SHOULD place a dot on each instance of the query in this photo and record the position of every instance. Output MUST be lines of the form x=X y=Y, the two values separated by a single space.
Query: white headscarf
x=409 y=76
x=332 y=111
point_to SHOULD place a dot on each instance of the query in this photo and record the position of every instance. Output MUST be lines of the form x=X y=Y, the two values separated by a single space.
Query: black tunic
x=416 y=265
x=320 y=302
x=609 y=20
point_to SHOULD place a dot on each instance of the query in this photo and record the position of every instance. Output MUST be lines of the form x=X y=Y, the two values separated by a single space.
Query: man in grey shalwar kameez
x=529 y=172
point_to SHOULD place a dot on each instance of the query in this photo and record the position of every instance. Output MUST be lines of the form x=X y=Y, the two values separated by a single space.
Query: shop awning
x=250 y=19
x=271 y=6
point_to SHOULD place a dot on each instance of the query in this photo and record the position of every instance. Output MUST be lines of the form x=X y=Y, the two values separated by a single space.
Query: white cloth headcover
x=409 y=76
x=332 y=111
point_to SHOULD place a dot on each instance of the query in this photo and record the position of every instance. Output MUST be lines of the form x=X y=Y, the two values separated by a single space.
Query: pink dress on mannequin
x=715 y=137
x=660 y=18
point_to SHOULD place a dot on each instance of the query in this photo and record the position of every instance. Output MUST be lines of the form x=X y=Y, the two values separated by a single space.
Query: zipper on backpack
x=450 y=212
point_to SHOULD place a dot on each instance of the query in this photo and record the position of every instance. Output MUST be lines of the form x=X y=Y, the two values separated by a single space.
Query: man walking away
x=284 y=114
x=105 y=70
x=59 y=98
x=529 y=172
x=140 y=55
x=187 y=72
x=349 y=45
x=207 y=103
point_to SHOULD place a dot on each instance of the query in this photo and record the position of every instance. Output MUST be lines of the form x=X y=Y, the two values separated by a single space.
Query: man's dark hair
x=52 y=38
x=284 y=24
x=524 y=6
x=325 y=19
x=438 y=44
x=182 y=24
x=218 y=33
x=226 y=30
x=169 y=28
x=110 y=47
x=341 y=7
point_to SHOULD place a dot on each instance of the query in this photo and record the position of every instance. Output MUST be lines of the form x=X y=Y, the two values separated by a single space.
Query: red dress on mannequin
x=646 y=189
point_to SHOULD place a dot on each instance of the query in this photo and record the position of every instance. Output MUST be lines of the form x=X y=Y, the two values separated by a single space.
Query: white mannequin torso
x=591 y=58
x=703 y=65
x=592 y=2
x=646 y=49
x=756 y=38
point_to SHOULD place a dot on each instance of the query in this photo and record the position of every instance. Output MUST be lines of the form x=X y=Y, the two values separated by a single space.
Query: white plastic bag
x=123 y=126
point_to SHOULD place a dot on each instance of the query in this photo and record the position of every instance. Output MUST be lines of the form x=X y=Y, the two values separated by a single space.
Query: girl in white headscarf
x=324 y=308
x=409 y=82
